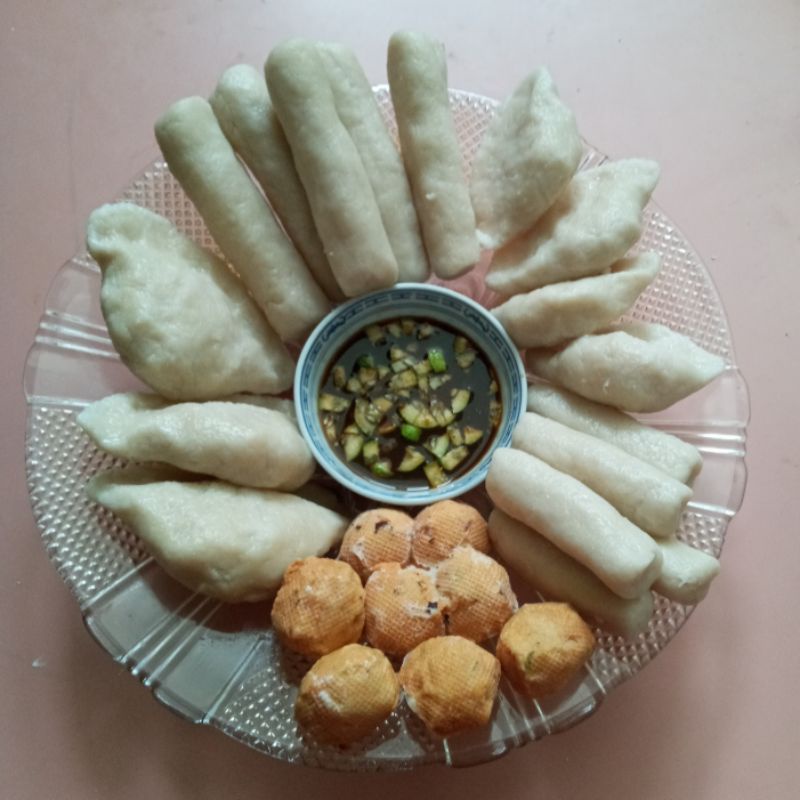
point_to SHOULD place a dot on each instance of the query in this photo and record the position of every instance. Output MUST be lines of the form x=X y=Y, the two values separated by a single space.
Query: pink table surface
x=709 y=89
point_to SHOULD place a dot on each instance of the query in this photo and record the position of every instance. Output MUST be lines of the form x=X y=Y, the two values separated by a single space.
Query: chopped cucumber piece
x=339 y=376
x=354 y=385
x=352 y=443
x=366 y=416
x=472 y=435
x=395 y=329
x=465 y=359
x=460 y=344
x=371 y=451
x=403 y=380
x=456 y=436
x=459 y=399
x=423 y=383
x=407 y=326
x=332 y=402
x=410 y=432
x=382 y=468
x=493 y=387
x=438 y=445
x=368 y=376
x=383 y=371
x=435 y=381
x=436 y=359
x=375 y=333
x=435 y=474
x=350 y=428
x=383 y=404
x=441 y=414
x=418 y=414
x=329 y=428
x=425 y=330
x=453 y=458
x=412 y=458
x=387 y=426
x=422 y=367
x=397 y=353
x=495 y=412
x=366 y=360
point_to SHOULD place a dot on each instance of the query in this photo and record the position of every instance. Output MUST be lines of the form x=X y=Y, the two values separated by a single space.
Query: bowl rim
x=402 y=497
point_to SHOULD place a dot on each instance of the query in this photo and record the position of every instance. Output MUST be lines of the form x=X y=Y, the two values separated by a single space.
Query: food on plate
x=686 y=572
x=236 y=442
x=403 y=608
x=450 y=683
x=633 y=366
x=529 y=152
x=410 y=402
x=543 y=647
x=244 y=111
x=575 y=519
x=418 y=82
x=592 y=224
x=441 y=527
x=225 y=541
x=242 y=224
x=376 y=536
x=177 y=316
x=342 y=202
x=641 y=492
x=559 y=577
x=319 y=606
x=346 y=694
x=358 y=110
x=478 y=591
x=561 y=311
x=670 y=454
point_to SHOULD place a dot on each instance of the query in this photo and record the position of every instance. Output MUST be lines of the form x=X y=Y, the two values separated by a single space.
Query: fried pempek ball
x=443 y=526
x=376 y=536
x=319 y=607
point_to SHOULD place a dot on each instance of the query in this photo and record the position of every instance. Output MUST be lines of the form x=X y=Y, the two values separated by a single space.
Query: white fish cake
x=225 y=541
x=575 y=519
x=634 y=366
x=592 y=224
x=337 y=185
x=241 y=222
x=670 y=454
x=244 y=111
x=641 y=492
x=358 y=110
x=560 y=311
x=686 y=572
x=177 y=316
x=418 y=82
x=528 y=154
x=240 y=443
x=559 y=577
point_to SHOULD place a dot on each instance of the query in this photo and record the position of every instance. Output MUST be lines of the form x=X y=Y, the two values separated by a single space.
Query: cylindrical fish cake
x=543 y=646
x=242 y=224
x=342 y=201
x=346 y=695
x=242 y=106
x=478 y=591
x=403 y=608
x=319 y=607
x=576 y=519
x=358 y=111
x=418 y=82
x=443 y=526
x=376 y=536
x=559 y=577
x=450 y=683
x=686 y=572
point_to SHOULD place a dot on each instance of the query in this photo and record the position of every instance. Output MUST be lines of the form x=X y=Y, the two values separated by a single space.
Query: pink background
x=709 y=89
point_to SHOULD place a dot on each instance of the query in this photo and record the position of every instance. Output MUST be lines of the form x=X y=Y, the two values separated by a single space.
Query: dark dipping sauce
x=410 y=402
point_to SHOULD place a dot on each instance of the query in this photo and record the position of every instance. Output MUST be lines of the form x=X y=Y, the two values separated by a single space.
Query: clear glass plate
x=219 y=664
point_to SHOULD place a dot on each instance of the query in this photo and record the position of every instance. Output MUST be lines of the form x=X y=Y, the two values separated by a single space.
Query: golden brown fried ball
x=346 y=694
x=443 y=526
x=377 y=536
x=403 y=608
x=543 y=646
x=478 y=592
x=319 y=606
x=450 y=684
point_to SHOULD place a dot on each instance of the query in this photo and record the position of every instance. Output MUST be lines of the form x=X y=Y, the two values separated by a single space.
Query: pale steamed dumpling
x=178 y=317
x=635 y=366
x=528 y=154
x=225 y=541
x=592 y=224
x=238 y=442
x=562 y=311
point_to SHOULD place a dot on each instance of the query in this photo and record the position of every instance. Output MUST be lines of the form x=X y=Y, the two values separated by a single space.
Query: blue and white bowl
x=425 y=301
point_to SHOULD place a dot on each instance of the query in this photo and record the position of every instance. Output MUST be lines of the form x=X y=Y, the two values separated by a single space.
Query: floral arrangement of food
x=310 y=202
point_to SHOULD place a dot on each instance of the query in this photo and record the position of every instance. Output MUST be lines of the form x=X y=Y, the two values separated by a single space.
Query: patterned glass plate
x=219 y=664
